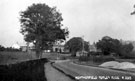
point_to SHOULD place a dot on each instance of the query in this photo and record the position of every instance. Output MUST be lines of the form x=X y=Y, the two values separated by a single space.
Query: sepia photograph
x=67 y=40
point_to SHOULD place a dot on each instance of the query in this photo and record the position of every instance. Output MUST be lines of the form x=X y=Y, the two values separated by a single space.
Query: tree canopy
x=2 y=48
x=41 y=25
x=126 y=50
x=109 y=45
x=132 y=13
x=76 y=44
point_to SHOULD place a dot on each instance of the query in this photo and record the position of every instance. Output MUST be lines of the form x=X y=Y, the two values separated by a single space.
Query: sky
x=92 y=19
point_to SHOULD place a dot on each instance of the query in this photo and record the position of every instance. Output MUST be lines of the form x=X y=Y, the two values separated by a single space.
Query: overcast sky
x=91 y=18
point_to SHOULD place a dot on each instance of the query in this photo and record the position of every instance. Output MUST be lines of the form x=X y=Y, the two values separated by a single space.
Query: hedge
x=98 y=59
x=32 y=70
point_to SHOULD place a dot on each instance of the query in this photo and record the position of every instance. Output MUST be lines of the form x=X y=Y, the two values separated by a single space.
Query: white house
x=58 y=48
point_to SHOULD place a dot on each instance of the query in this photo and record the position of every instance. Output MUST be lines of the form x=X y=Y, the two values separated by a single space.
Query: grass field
x=13 y=57
x=54 y=56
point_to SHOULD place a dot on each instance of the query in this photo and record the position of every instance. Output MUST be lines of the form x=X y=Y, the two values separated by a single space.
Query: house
x=23 y=48
x=27 y=47
x=58 y=48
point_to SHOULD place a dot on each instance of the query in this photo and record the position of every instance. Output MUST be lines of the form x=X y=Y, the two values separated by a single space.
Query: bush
x=98 y=59
x=103 y=59
x=109 y=58
x=130 y=55
x=85 y=58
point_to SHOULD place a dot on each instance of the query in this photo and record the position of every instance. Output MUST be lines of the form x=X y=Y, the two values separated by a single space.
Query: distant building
x=23 y=48
x=58 y=48
x=27 y=47
x=15 y=46
x=93 y=48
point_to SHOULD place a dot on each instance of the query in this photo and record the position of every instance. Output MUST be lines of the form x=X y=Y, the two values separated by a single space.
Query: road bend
x=90 y=73
x=53 y=74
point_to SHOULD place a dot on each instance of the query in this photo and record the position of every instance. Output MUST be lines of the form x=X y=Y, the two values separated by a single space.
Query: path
x=54 y=75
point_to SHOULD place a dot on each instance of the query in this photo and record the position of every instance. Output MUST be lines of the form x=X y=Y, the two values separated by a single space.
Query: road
x=54 y=75
x=89 y=73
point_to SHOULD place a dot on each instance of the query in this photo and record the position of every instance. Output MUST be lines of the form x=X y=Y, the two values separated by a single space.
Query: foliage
x=132 y=13
x=98 y=59
x=84 y=58
x=11 y=49
x=126 y=50
x=76 y=44
x=95 y=53
x=41 y=25
x=2 y=48
x=109 y=45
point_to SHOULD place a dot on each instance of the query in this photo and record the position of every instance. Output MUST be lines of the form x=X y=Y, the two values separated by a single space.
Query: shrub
x=109 y=58
x=98 y=59
x=130 y=55
x=84 y=58
x=103 y=58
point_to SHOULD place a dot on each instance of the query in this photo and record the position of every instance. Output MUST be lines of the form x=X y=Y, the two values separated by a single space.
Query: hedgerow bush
x=84 y=58
x=96 y=58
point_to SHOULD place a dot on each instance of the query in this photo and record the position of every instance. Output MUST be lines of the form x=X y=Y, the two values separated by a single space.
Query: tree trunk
x=39 y=54
x=73 y=53
x=38 y=51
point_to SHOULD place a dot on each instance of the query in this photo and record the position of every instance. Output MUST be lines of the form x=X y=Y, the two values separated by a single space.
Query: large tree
x=126 y=50
x=41 y=25
x=2 y=48
x=76 y=44
x=109 y=45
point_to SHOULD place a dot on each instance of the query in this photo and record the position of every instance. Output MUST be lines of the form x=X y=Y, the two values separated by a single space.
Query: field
x=54 y=56
x=13 y=57
x=23 y=66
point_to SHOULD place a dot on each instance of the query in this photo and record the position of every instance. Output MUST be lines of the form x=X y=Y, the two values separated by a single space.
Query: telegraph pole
x=58 y=50
x=83 y=44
